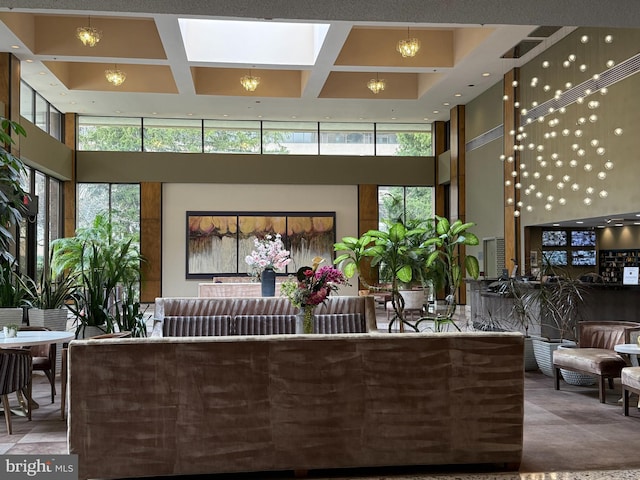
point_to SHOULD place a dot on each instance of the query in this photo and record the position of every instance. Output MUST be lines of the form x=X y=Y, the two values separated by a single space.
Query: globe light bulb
x=562 y=201
x=566 y=178
x=516 y=213
x=584 y=39
x=601 y=150
x=587 y=167
x=595 y=142
x=548 y=206
x=602 y=175
x=587 y=201
x=566 y=132
x=573 y=163
x=550 y=198
x=608 y=165
x=578 y=133
x=560 y=185
x=593 y=118
x=603 y=194
x=549 y=178
x=610 y=63
x=546 y=64
x=608 y=39
x=581 y=152
x=507 y=183
x=604 y=90
x=572 y=57
x=589 y=190
x=575 y=187
x=546 y=88
x=559 y=163
x=509 y=201
x=566 y=64
x=529 y=208
x=539 y=194
x=618 y=131
x=582 y=121
x=583 y=68
x=514 y=83
x=536 y=175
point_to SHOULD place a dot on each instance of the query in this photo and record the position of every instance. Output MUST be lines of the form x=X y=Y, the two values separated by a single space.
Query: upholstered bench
x=630 y=378
x=595 y=354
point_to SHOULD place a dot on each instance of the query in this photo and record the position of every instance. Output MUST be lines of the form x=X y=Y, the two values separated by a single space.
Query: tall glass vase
x=304 y=319
x=268 y=281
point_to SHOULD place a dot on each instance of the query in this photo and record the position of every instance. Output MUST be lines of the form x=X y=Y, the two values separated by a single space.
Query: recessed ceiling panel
x=377 y=47
x=354 y=85
x=226 y=81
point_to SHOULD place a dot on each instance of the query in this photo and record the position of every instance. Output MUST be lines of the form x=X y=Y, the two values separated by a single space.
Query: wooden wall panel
x=69 y=187
x=368 y=220
x=439 y=146
x=151 y=240
x=511 y=222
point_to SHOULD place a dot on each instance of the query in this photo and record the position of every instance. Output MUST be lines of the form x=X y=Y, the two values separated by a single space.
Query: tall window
x=37 y=231
x=120 y=201
x=409 y=204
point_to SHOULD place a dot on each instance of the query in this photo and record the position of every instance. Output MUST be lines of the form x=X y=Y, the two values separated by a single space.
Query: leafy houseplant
x=103 y=262
x=449 y=237
x=12 y=194
x=400 y=250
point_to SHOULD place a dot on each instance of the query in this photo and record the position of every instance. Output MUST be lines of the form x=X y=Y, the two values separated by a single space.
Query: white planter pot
x=543 y=350
x=10 y=316
x=413 y=299
x=577 y=378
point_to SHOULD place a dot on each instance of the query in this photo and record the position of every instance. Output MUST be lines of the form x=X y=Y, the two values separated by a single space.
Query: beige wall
x=178 y=198
x=484 y=112
x=259 y=169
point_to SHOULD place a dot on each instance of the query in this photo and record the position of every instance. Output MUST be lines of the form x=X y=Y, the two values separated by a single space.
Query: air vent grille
x=483 y=139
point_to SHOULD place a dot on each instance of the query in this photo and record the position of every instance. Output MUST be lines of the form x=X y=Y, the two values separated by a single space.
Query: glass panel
x=409 y=204
x=41 y=225
x=125 y=209
x=290 y=138
x=164 y=135
x=109 y=134
x=93 y=198
x=27 y=102
x=231 y=137
x=42 y=112
x=346 y=139
x=403 y=139
x=55 y=123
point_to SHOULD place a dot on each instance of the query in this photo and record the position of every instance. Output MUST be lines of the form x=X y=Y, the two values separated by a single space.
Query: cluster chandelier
x=547 y=173
x=115 y=76
x=376 y=85
x=89 y=36
x=408 y=47
x=249 y=82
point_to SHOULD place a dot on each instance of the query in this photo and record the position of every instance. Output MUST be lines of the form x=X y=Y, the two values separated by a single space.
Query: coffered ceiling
x=463 y=53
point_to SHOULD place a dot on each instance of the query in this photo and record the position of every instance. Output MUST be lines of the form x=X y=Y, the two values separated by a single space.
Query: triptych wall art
x=218 y=242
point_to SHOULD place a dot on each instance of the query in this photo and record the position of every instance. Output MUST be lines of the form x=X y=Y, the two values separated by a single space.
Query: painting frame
x=217 y=242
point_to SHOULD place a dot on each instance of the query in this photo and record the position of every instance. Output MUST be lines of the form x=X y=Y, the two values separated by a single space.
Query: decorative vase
x=305 y=319
x=268 y=281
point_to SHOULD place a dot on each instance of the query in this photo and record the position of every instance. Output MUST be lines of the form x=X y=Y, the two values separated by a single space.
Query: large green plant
x=447 y=240
x=402 y=252
x=104 y=262
x=12 y=193
x=15 y=288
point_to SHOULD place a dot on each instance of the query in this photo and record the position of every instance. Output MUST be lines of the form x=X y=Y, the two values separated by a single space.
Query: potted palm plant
x=103 y=261
x=15 y=294
x=50 y=296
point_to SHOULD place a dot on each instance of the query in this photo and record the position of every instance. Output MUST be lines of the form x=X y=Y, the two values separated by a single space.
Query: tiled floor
x=568 y=435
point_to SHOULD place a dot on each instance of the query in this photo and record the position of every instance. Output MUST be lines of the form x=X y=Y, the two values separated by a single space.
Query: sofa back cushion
x=263 y=324
x=605 y=334
x=340 y=323
x=196 y=326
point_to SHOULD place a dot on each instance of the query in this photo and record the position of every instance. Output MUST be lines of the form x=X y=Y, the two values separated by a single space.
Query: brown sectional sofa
x=204 y=405
x=210 y=316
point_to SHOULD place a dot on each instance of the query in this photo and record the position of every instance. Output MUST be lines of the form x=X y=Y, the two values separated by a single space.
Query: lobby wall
x=616 y=109
x=178 y=198
x=484 y=170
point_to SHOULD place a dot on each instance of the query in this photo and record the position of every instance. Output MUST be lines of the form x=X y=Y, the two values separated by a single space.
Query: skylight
x=254 y=43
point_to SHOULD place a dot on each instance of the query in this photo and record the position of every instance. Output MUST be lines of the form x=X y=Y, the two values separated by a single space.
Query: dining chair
x=64 y=369
x=44 y=358
x=15 y=376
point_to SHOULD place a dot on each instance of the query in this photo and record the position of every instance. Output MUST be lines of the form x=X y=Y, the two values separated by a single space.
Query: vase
x=268 y=282
x=305 y=319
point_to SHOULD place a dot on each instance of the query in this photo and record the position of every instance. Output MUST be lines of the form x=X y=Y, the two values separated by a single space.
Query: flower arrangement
x=311 y=287
x=269 y=252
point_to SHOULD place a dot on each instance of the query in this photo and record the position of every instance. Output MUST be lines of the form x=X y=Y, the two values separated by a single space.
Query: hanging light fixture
x=408 y=47
x=376 y=85
x=115 y=77
x=89 y=36
x=249 y=82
